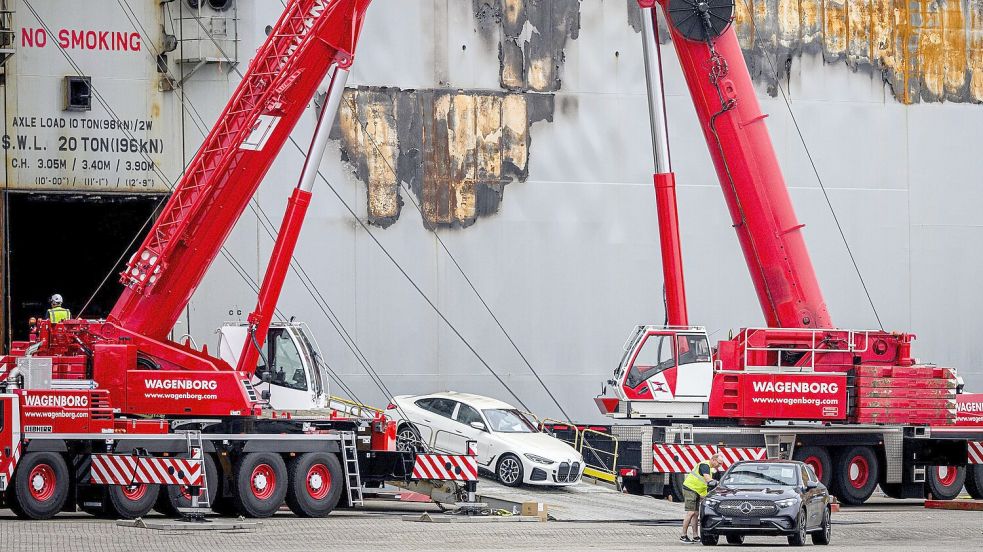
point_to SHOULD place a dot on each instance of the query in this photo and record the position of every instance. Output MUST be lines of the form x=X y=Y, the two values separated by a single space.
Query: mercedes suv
x=766 y=497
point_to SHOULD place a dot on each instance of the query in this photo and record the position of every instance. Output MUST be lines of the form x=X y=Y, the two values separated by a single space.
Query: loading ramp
x=584 y=502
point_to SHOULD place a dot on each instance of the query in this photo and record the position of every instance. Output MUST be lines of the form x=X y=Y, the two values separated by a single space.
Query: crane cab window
x=693 y=349
x=655 y=354
x=287 y=364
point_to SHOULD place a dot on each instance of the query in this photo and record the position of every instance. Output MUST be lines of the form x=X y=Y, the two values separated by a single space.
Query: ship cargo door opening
x=67 y=245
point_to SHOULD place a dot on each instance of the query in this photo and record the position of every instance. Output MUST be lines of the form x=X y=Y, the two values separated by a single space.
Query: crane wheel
x=260 y=484
x=974 y=480
x=856 y=472
x=130 y=502
x=944 y=482
x=676 y=486
x=177 y=496
x=818 y=459
x=316 y=481
x=40 y=487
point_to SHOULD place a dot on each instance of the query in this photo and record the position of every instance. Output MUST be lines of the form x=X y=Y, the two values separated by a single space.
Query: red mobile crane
x=113 y=417
x=855 y=405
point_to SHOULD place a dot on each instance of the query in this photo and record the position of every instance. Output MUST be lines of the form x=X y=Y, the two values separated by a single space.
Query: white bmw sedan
x=508 y=444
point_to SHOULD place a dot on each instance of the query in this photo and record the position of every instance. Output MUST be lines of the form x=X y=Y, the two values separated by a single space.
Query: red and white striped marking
x=683 y=458
x=8 y=470
x=122 y=469
x=975 y=452
x=445 y=467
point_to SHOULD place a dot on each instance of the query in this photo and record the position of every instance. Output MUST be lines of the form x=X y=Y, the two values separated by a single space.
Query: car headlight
x=711 y=502
x=538 y=459
x=786 y=503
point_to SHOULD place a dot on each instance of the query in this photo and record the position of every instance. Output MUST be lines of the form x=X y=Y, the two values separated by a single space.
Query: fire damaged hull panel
x=455 y=150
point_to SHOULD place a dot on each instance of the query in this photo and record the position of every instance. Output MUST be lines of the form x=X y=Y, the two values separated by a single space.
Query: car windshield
x=508 y=421
x=757 y=475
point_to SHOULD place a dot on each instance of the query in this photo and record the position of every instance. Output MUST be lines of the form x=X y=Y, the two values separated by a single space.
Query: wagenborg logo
x=969 y=407
x=60 y=401
x=316 y=10
x=796 y=387
x=183 y=385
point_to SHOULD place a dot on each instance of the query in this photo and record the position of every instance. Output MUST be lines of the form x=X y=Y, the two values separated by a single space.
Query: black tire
x=799 y=538
x=735 y=539
x=509 y=470
x=408 y=439
x=946 y=487
x=316 y=482
x=709 y=539
x=260 y=484
x=130 y=502
x=676 y=486
x=40 y=486
x=974 y=480
x=856 y=472
x=820 y=461
x=178 y=496
x=823 y=535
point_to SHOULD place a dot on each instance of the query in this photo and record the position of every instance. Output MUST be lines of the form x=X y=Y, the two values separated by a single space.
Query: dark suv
x=766 y=497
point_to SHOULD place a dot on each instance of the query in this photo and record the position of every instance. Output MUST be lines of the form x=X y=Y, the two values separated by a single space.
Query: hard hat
x=56 y=299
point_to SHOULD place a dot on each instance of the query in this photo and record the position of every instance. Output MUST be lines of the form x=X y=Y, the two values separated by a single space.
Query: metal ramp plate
x=581 y=502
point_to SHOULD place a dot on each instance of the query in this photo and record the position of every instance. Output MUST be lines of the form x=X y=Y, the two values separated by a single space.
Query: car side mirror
x=810 y=485
x=267 y=377
x=712 y=484
x=478 y=425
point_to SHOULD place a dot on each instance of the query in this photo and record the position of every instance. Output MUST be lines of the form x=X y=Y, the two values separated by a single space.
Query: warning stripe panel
x=121 y=469
x=975 y=452
x=445 y=467
x=673 y=458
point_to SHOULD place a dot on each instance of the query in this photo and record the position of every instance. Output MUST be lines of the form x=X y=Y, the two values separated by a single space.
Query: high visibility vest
x=695 y=482
x=59 y=314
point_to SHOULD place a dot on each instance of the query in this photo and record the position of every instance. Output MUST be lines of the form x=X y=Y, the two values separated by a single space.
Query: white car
x=508 y=444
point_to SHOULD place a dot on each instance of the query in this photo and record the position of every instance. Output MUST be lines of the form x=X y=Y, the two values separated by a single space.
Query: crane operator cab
x=665 y=372
x=289 y=368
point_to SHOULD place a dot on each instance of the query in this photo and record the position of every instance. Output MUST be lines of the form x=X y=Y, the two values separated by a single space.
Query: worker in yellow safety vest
x=57 y=313
x=694 y=489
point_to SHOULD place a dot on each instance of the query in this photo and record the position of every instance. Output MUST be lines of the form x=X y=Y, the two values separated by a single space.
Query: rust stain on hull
x=926 y=50
x=456 y=150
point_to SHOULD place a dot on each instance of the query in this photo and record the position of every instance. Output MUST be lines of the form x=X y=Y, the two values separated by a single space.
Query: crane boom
x=757 y=197
x=311 y=37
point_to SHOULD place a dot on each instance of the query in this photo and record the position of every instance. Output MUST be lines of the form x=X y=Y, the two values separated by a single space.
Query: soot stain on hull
x=925 y=50
x=456 y=150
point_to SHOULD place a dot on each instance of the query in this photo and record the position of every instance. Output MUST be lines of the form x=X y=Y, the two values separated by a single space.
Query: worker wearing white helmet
x=57 y=313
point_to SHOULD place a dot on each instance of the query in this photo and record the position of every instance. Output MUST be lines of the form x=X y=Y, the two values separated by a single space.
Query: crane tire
x=974 y=480
x=856 y=471
x=944 y=482
x=316 y=481
x=260 y=484
x=40 y=486
x=130 y=502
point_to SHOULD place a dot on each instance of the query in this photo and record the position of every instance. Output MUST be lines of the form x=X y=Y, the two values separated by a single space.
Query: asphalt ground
x=881 y=524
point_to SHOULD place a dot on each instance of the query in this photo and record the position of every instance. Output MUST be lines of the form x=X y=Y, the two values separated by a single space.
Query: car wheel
x=408 y=439
x=709 y=539
x=856 y=472
x=974 y=480
x=735 y=539
x=509 y=470
x=799 y=538
x=944 y=482
x=822 y=536
x=818 y=459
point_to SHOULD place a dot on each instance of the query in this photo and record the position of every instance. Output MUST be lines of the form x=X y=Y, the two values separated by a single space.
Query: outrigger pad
x=701 y=20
